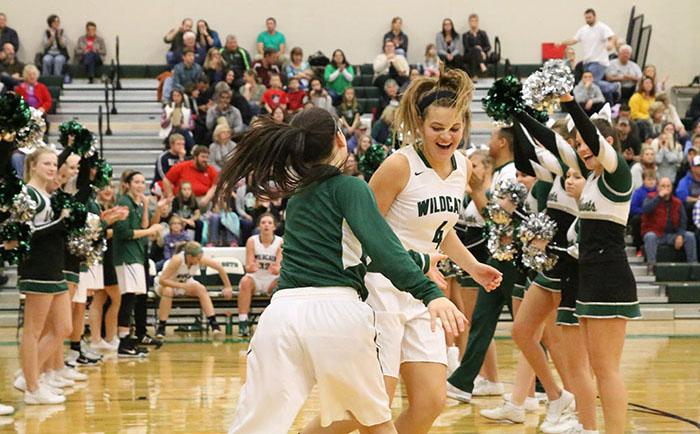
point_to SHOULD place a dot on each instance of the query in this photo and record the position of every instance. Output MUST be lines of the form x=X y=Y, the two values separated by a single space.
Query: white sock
x=242 y=317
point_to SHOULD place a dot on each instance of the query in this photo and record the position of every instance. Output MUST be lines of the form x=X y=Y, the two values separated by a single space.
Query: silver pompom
x=501 y=242
x=542 y=89
x=448 y=268
x=88 y=243
x=32 y=134
x=506 y=189
x=537 y=227
x=22 y=208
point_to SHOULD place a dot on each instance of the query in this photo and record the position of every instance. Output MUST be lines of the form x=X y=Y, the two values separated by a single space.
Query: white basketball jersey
x=184 y=273
x=428 y=207
x=266 y=256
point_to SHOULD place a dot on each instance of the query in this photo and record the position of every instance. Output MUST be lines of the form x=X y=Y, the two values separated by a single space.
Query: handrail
x=109 y=130
x=118 y=75
x=99 y=130
x=114 y=99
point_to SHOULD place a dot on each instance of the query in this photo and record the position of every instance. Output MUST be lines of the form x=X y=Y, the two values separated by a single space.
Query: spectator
x=318 y=96
x=189 y=40
x=185 y=205
x=267 y=66
x=236 y=58
x=201 y=176
x=650 y=71
x=695 y=131
x=186 y=72
x=363 y=145
x=221 y=147
x=245 y=205
x=624 y=71
x=351 y=168
x=631 y=146
x=449 y=45
x=671 y=114
x=275 y=96
x=626 y=113
x=299 y=68
x=414 y=74
x=177 y=118
x=664 y=222
x=390 y=97
x=338 y=75
x=175 y=38
x=684 y=168
x=296 y=97
x=693 y=111
x=669 y=155
x=588 y=94
x=224 y=109
x=642 y=99
x=237 y=100
x=279 y=115
x=224 y=224
x=381 y=130
x=573 y=64
x=431 y=65
x=596 y=39
x=91 y=50
x=175 y=154
x=206 y=37
x=476 y=47
x=55 y=51
x=354 y=140
x=36 y=94
x=636 y=204
x=176 y=235
x=8 y=34
x=647 y=162
x=252 y=90
x=202 y=95
x=688 y=189
x=656 y=118
x=10 y=65
x=214 y=66
x=349 y=112
x=390 y=65
x=397 y=36
x=271 y=39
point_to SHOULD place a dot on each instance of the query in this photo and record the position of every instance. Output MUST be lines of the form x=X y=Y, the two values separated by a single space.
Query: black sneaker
x=160 y=332
x=85 y=360
x=243 y=328
x=148 y=340
x=4 y=279
x=127 y=349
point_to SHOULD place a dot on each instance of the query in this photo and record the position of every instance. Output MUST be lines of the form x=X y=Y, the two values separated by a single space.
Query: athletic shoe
x=243 y=328
x=57 y=382
x=487 y=388
x=556 y=408
x=148 y=340
x=42 y=396
x=6 y=409
x=21 y=385
x=452 y=359
x=217 y=333
x=458 y=394
x=541 y=397
x=94 y=355
x=114 y=343
x=566 y=422
x=128 y=349
x=84 y=360
x=100 y=345
x=531 y=404
x=160 y=332
x=72 y=374
x=507 y=412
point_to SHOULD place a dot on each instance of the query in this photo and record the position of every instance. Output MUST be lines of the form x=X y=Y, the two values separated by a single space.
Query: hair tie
x=432 y=97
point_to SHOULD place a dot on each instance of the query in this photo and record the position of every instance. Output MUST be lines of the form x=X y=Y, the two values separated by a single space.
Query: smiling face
x=106 y=194
x=45 y=168
x=338 y=57
x=137 y=185
x=442 y=130
x=365 y=143
x=574 y=183
x=69 y=169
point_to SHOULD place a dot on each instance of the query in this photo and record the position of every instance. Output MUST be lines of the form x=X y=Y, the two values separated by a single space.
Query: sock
x=75 y=346
x=162 y=322
x=212 y=322
x=123 y=335
x=242 y=317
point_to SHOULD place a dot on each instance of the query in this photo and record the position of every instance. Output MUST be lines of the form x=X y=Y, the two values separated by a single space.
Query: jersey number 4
x=439 y=233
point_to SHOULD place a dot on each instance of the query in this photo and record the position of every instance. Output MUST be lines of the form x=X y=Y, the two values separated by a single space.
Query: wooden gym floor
x=191 y=385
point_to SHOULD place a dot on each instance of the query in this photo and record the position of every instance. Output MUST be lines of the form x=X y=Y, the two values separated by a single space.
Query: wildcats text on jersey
x=439 y=204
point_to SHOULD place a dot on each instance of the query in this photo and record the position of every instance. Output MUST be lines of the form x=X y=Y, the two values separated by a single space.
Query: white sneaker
x=101 y=345
x=487 y=388
x=6 y=409
x=42 y=396
x=55 y=382
x=114 y=343
x=458 y=394
x=72 y=374
x=507 y=412
x=72 y=356
x=452 y=359
x=67 y=382
x=21 y=385
x=565 y=424
x=531 y=404
x=557 y=408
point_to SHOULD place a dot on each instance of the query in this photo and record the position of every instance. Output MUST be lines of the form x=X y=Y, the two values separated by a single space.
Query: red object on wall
x=550 y=50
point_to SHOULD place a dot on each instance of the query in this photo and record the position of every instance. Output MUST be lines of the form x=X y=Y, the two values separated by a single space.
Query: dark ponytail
x=281 y=158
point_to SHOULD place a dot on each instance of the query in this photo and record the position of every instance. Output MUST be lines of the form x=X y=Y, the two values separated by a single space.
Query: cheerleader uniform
x=470 y=230
x=607 y=288
x=569 y=279
x=109 y=274
x=91 y=277
x=41 y=271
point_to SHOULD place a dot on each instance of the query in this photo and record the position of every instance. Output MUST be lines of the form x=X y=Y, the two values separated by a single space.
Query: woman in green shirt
x=338 y=75
x=317 y=329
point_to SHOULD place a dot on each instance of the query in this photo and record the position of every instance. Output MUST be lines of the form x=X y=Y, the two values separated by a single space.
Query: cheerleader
x=316 y=329
x=47 y=303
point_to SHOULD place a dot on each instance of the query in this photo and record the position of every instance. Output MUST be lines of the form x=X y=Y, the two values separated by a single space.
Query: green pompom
x=83 y=144
x=540 y=115
x=14 y=114
x=103 y=177
x=505 y=98
x=69 y=128
x=10 y=187
x=20 y=232
x=371 y=160
x=61 y=200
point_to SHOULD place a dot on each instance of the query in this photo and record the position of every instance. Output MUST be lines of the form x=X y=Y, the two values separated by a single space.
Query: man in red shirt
x=197 y=172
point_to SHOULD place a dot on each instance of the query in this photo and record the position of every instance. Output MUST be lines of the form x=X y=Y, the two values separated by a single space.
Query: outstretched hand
x=453 y=321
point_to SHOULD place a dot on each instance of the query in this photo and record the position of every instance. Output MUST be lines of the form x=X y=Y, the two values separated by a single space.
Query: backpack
x=318 y=59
